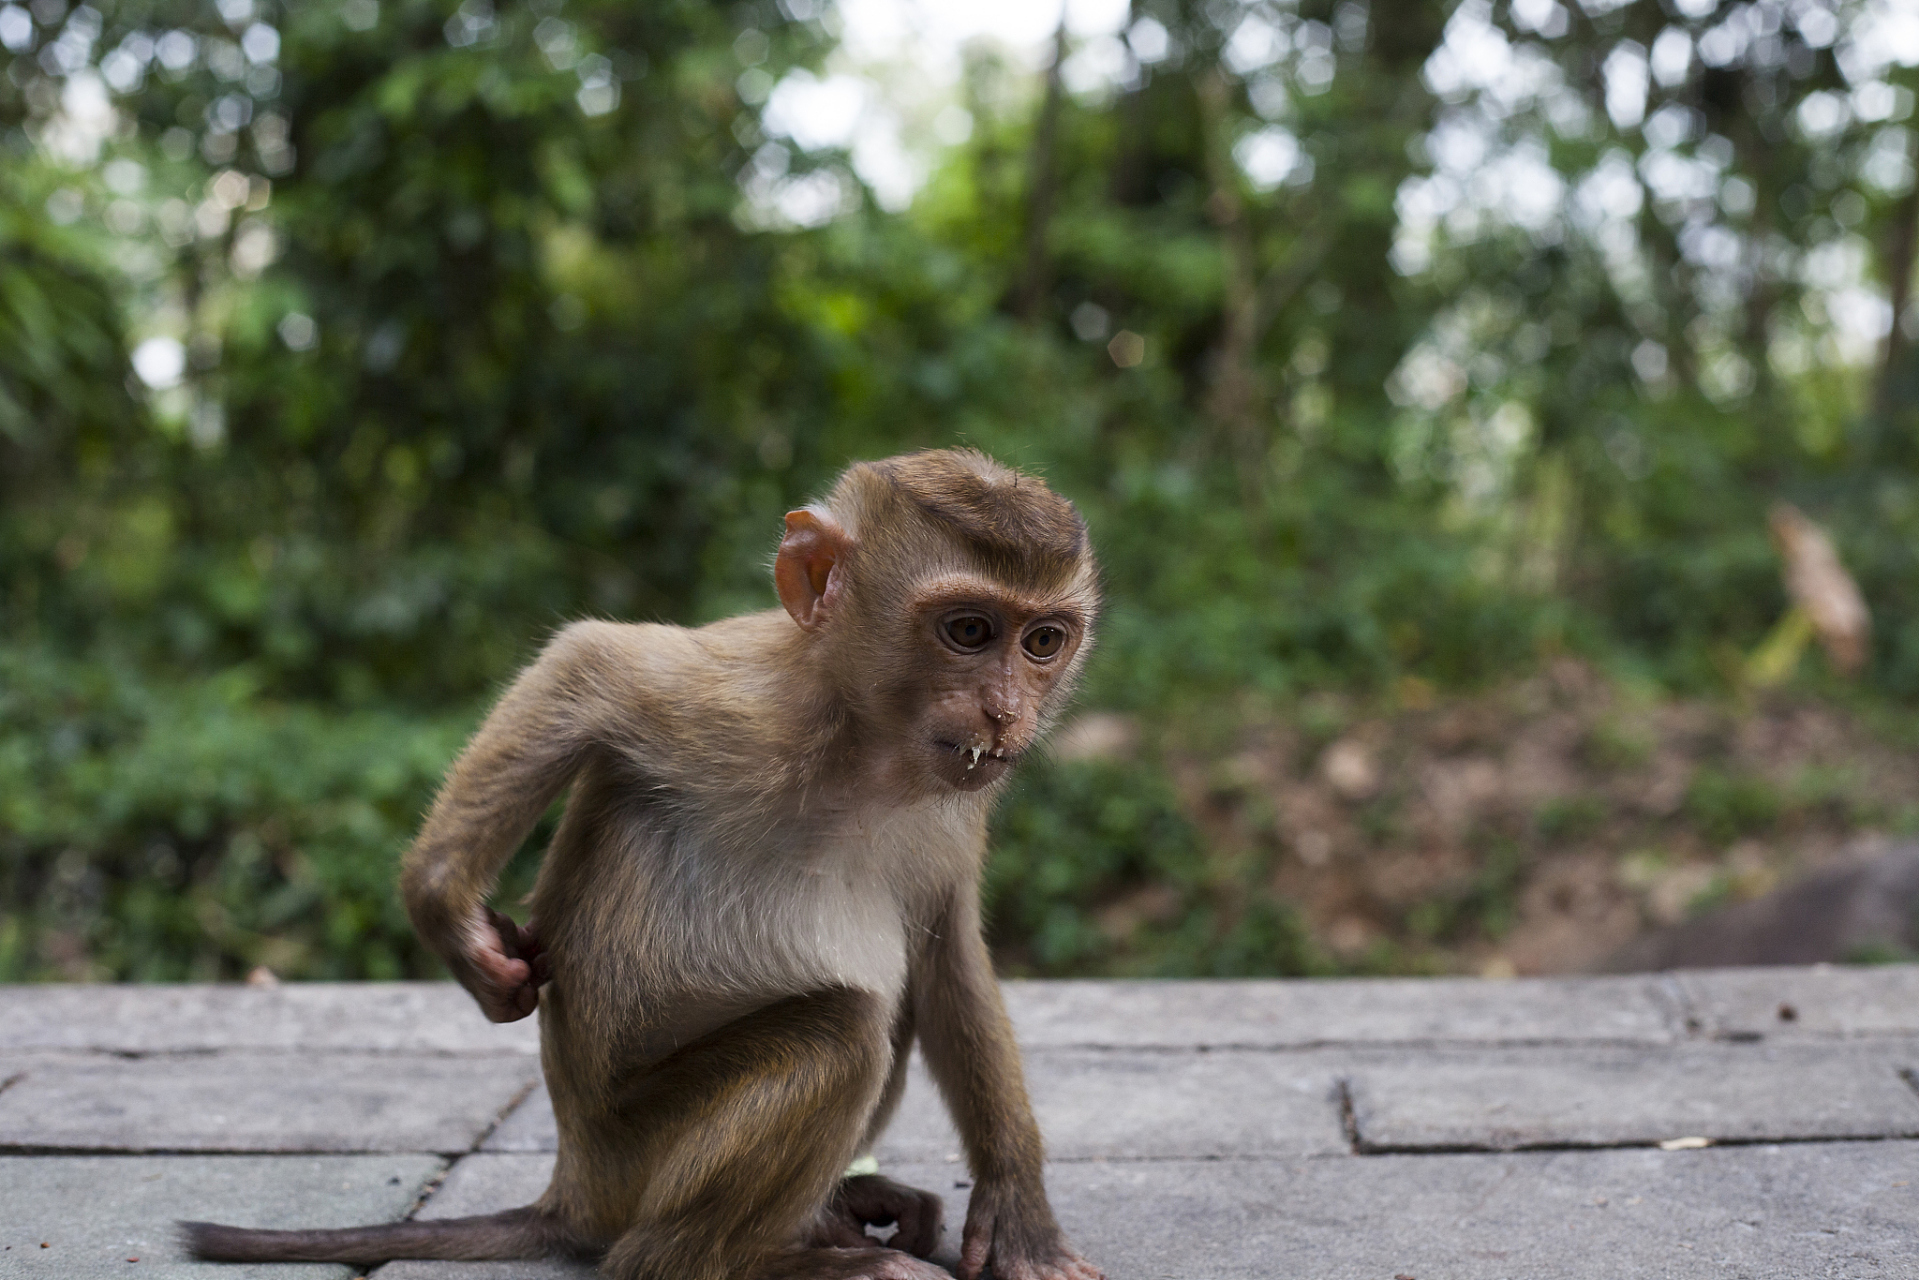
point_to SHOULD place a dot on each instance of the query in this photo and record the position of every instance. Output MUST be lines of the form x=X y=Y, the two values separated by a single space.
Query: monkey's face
x=995 y=664
x=952 y=600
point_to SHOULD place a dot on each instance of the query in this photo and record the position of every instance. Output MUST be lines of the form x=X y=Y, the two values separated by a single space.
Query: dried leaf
x=1820 y=585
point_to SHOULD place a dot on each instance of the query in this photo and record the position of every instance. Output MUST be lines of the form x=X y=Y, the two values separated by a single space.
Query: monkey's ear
x=807 y=568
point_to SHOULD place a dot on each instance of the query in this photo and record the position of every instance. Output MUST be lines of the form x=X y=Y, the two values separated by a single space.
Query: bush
x=1096 y=869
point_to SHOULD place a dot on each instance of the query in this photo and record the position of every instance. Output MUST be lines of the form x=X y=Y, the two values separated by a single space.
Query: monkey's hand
x=502 y=965
x=868 y=1199
x=1006 y=1231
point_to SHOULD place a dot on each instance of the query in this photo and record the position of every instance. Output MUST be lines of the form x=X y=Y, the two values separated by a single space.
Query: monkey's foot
x=850 y=1264
x=872 y=1200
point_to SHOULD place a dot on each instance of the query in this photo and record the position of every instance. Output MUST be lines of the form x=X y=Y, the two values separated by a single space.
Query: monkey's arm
x=969 y=1047
x=529 y=748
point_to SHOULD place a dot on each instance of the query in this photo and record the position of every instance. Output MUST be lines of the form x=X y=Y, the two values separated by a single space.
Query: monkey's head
x=955 y=599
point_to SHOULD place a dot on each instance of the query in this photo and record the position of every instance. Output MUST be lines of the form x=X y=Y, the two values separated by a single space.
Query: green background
x=471 y=351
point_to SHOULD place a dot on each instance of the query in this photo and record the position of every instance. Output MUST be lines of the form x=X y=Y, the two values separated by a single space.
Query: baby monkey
x=764 y=891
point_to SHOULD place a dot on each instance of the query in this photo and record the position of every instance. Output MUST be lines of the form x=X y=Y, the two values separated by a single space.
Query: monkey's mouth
x=978 y=762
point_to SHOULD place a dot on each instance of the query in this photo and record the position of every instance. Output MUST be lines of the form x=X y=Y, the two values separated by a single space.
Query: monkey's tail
x=514 y=1234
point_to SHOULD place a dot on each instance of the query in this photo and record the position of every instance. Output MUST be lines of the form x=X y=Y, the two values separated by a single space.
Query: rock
x=1835 y=914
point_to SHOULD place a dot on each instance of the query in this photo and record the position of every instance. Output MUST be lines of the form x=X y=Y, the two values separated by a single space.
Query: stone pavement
x=1443 y=1129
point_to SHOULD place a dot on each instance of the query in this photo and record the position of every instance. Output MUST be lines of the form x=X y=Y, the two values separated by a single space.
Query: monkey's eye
x=968 y=631
x=1044 y=642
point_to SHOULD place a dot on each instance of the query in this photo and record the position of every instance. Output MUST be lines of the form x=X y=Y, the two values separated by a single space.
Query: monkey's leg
x=744 y=1135
x=895 y=1089
x=872 y=1200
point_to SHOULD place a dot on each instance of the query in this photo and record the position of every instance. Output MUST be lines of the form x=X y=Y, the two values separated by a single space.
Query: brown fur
x=517 y=1233
x=1020 y=529
x=764 y=887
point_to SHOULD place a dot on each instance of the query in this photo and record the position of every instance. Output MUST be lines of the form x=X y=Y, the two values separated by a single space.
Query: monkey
x=763 y=890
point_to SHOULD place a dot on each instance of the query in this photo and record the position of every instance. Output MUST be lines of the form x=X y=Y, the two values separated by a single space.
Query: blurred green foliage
x=486 y=318
x=1486 y=904
x=1728 y=805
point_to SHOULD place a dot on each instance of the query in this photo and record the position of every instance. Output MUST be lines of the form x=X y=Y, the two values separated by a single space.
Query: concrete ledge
x=1459 y=1129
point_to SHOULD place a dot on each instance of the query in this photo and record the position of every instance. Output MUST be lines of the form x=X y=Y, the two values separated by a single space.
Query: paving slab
x=1740 y=1093
x=1279 y=1014
x=256 y=1101
x=1095 y=1105
x=1099 y=1105
x=97 y=1212
x=1820 y=1002
x=365 y=1017
x=1757 y=1213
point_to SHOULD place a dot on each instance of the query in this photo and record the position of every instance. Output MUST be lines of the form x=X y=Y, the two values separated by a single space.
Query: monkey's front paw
x=1013 y=1232
x=505 y=966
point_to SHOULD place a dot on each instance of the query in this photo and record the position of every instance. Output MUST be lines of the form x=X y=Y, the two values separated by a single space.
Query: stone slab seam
x=513 y=1104
x=1348 y=1117
x=427 y=1189
x=1365 y=1148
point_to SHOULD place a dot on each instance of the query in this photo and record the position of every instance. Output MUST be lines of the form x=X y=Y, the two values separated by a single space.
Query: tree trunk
x=1234 y=388
x=1036 y=273
x=1901 y=242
